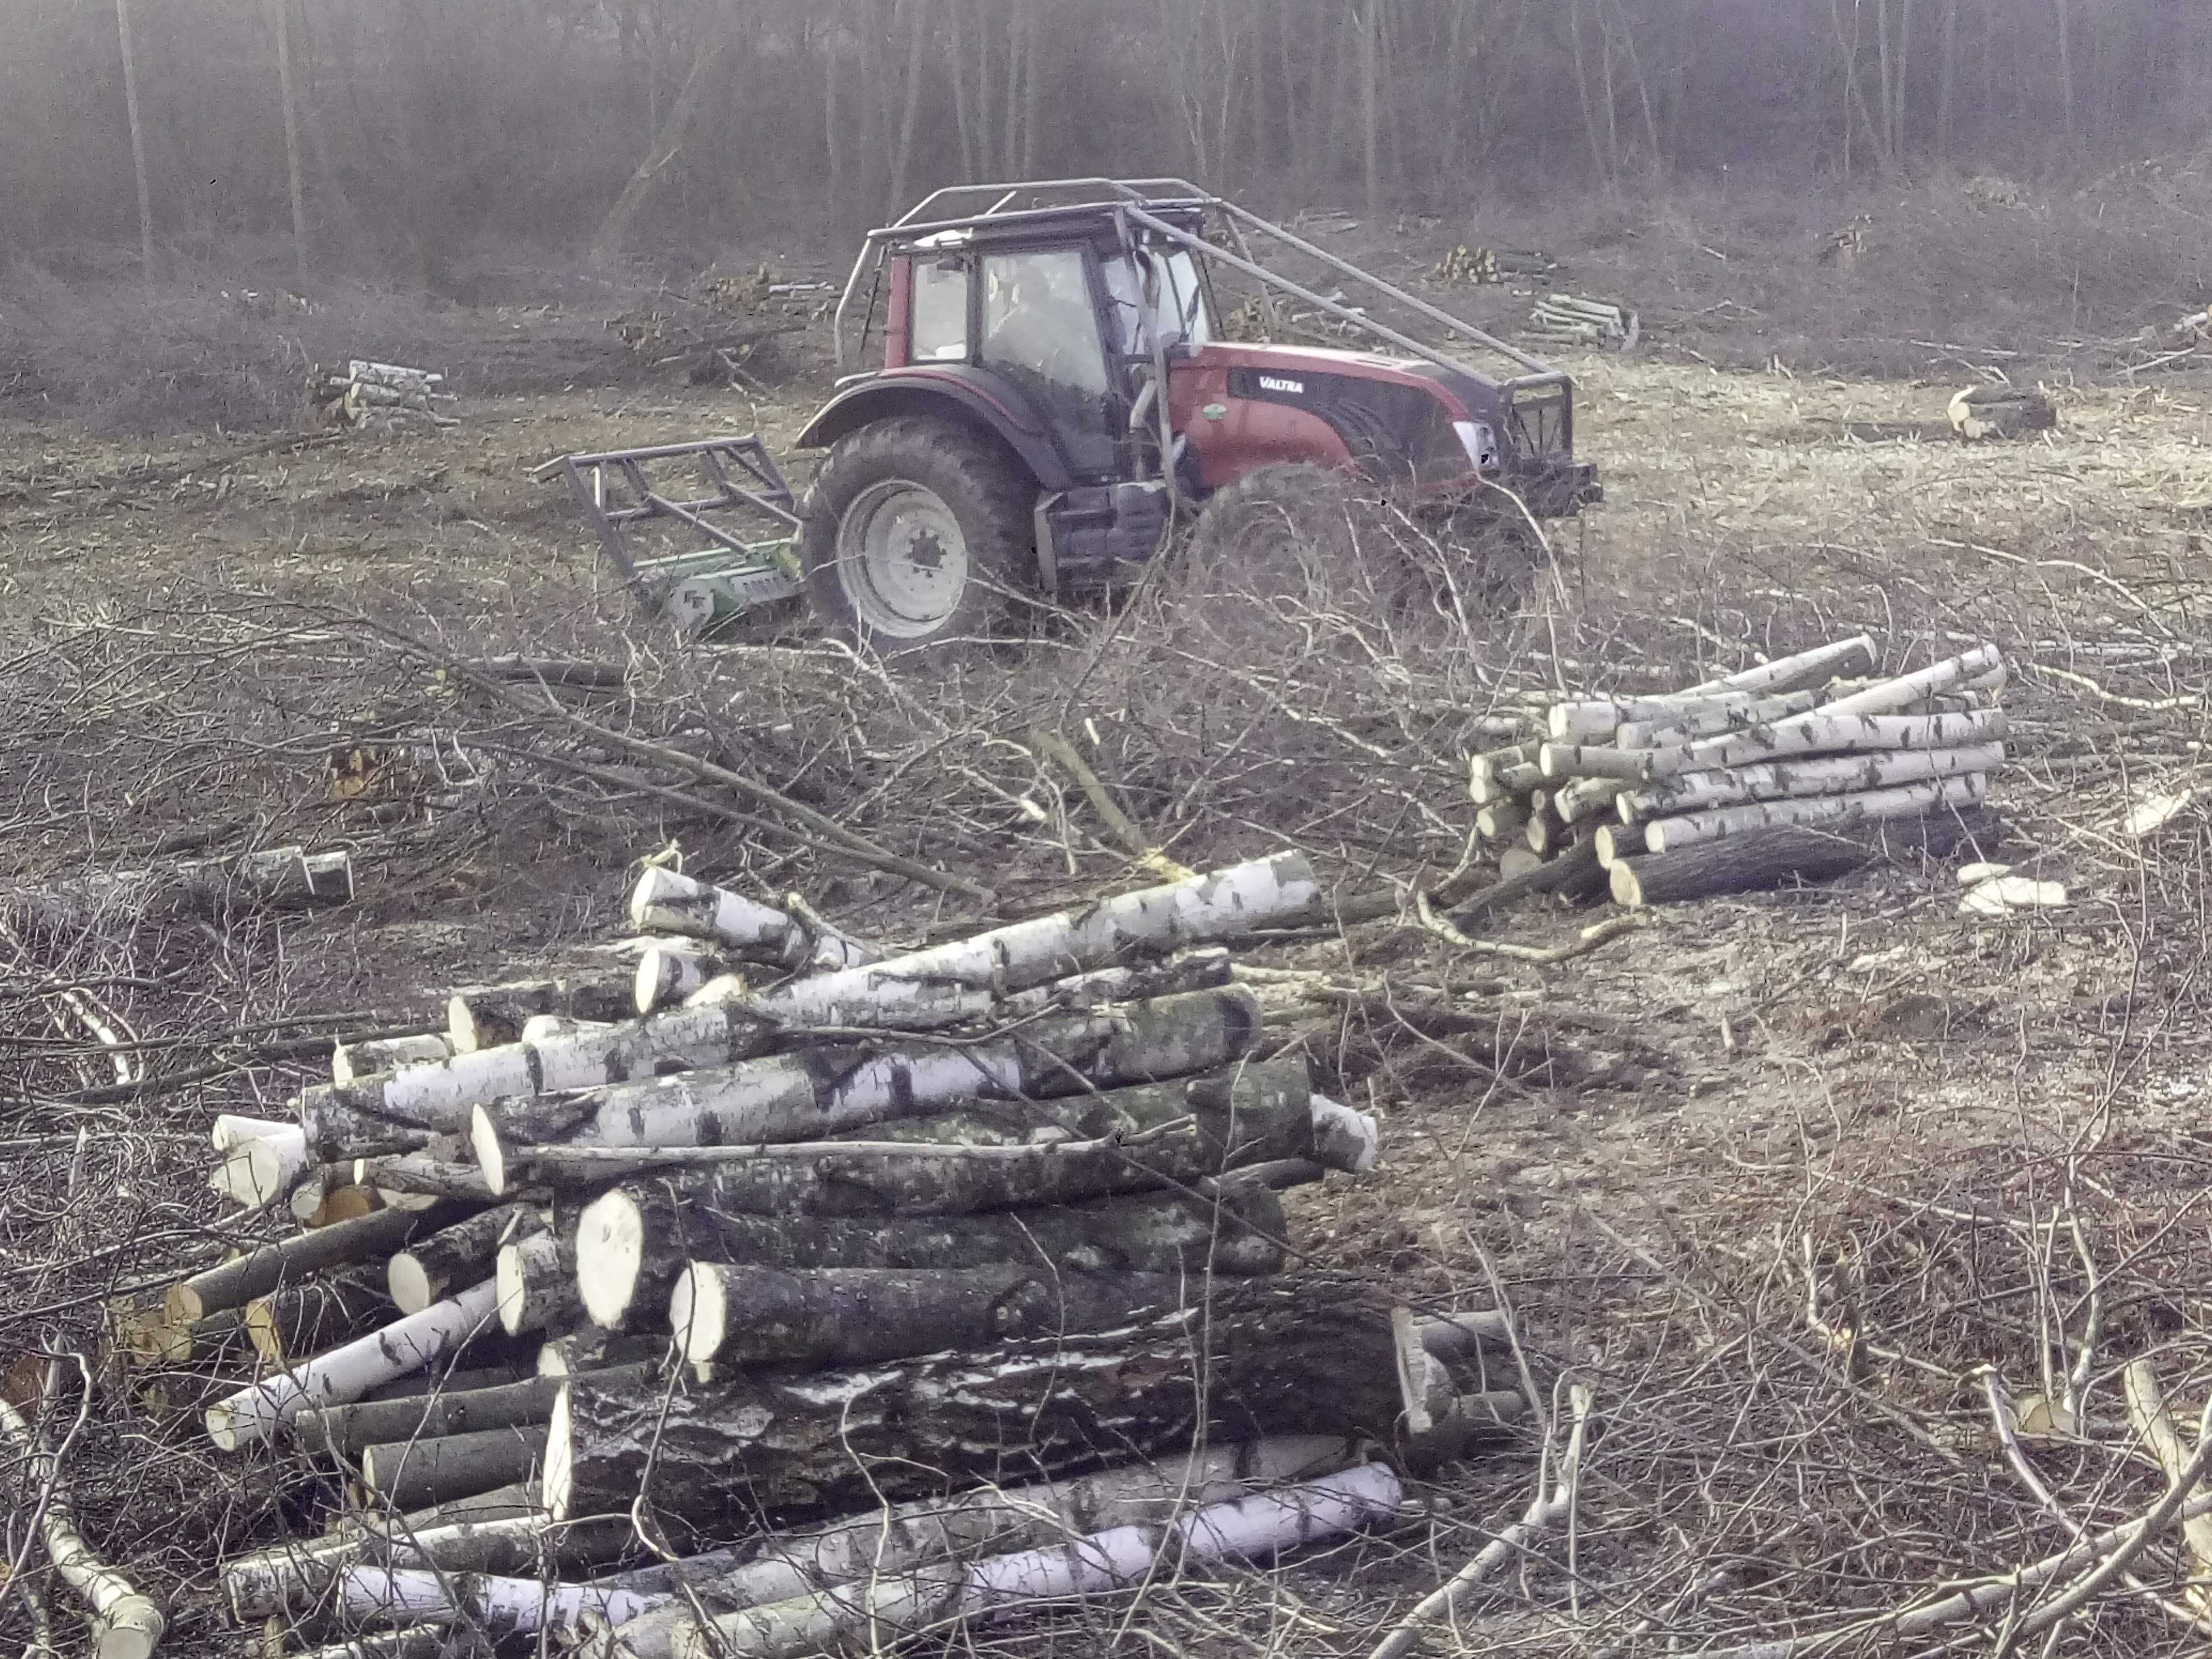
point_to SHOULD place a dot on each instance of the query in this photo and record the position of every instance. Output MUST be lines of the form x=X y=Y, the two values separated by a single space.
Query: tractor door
x=1039 y=328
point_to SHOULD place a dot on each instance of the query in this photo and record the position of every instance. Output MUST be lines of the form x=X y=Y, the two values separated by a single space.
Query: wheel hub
x=902 y=558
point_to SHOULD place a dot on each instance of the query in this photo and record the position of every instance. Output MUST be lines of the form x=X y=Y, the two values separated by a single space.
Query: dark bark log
x=1779 y=858
x=297 y=1321
x=749 y=1316
x=505 y=1504
x=1313 y=1355
x=415 y=1472
x=1573 y=875
x=595 y=1349
x=236 y=1282
x=454 y=1257
x=635 y=1240
x=346 y=1431
x=537 y=1279
x=468 y=1380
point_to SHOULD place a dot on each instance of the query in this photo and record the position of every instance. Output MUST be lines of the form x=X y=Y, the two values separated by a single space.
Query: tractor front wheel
x=916 y=534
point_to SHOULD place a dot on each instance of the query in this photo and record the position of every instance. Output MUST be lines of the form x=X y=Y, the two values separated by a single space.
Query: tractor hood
x=1465 y=396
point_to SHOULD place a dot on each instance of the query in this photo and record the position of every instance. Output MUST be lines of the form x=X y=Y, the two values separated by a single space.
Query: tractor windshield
x=1177 y=300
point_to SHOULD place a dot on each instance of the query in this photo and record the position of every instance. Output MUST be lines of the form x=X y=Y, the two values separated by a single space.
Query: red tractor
x=1055 y=394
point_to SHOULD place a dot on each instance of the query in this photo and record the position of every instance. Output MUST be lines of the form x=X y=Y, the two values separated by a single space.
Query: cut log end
x=610 y=1253
x=698 y=1312
x=490 y=1151
x=556 y=1480
x=408 y=1282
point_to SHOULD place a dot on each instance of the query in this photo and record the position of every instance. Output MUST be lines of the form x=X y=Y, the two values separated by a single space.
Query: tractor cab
x=1057 y=346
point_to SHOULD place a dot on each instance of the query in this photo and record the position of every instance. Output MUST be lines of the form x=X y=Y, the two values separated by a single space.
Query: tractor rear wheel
x=916 y=533
x=1277 y=524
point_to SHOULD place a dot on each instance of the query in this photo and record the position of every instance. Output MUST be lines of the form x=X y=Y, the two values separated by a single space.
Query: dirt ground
x=1772 y=1175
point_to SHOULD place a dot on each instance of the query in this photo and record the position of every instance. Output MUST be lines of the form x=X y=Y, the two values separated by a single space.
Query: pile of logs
x=948 y=1281
x=367 y=394
x=1565 y=317
x=1790 y=771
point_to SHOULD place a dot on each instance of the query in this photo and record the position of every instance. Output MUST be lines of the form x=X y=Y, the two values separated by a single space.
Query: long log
x=814 y=1093
x=1823 y=732
x=1203 y=967
x=255 y=1413
x=1805 y=669
x=258 y=1170
x=498 y=1607
x=635 y=1240
x=1704 y=719
x=985 y=1522
x=1937 y=676
x=433 y=1267
x=236 y=1282
x=884 y=1607
x=1312 y=1355
x=295 y=1576
x=419 y=1470
x=742 y=1316
x=664 y=902
x=1258 y=1122
x=1665 y=834
x=1574 y=874
x=1695 y=792
x=279 y=878
x=536 y=1281
x=345 y=1431
x=1778 y=858
x=1599 y=717
x=948 y=983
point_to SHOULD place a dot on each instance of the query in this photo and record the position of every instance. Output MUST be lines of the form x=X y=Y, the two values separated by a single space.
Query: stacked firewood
x=774 y=1229
x=1789 y=771
x=367 y=394
x=1573 y=320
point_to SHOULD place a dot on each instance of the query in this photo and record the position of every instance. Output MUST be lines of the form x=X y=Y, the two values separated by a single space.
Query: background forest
x=419 y=127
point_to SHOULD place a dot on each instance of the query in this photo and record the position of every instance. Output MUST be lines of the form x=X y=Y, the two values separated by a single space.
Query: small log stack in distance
x=778 y=1227
x=1793 y=770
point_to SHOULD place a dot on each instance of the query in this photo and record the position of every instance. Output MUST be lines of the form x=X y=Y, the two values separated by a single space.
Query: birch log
x=1664 y=835
x=258 y=1170
x=1704 y=719
x=1203 y=969
x=1909 y=688
x=399 y=1110
x=1694 y=792
x=349 y=1060
x=255 y=1413
x=126 y=1624
x=881 y=1609
x=985 y=1522
x=238 y=1281
x=491 y=1016
x=536 y=1281
x=742 y=1316
x=422 y=1470
x=499 y=1607
x=232 y=1130
x=1804 y=670
x=818 y=1091
x=664 y=902
x=634 y=1242
x=295 y=1576
x=667 y=972
x=948 y=983
x=431 y=1268
x=1313 y=1355
x=1601 y=717
x=1823 y=732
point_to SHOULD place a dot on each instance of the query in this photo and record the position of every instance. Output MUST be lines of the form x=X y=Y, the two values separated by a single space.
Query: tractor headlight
x=1480 y=443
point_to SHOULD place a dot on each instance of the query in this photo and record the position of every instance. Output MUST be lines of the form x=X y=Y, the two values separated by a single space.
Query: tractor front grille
x=1541 y=425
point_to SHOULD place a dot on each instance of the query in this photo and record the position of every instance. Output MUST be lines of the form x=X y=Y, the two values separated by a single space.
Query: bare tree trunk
x=1947 y=80
x=2066 y=95
x=666 y=143
x=903 y=157
x=281 y=16
x=956 y=57
x=1370 y=102
x=137 y=138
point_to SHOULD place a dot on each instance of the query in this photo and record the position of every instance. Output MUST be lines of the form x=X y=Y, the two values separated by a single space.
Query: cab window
x=1038 y=320
x=1177 y=300
x=941 y=311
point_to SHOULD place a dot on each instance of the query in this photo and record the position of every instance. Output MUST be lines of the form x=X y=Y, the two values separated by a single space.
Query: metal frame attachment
x=615 y=490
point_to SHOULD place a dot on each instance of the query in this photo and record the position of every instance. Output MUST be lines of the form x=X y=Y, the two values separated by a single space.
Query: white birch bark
x=1823 y=732
x=947 y=984
x=262 y=1169
x=126 y=1624
x=231 y=1129
x=667 y=973
x=664 y=902
x=1908 y=801
x=1692 y=791
x=1908 y=688
x=1807 y=669
x=501 y=1606
x=1706 y=719
x=256 y=1411
x=349 y=1060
